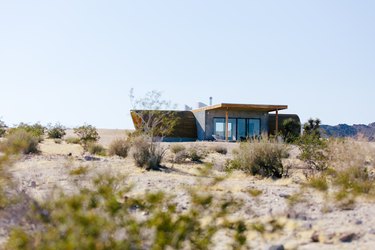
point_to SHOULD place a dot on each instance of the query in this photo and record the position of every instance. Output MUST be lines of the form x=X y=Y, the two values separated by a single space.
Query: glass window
x=219 y=128
x=241 y=129
x=232 y=129
x=253 y=127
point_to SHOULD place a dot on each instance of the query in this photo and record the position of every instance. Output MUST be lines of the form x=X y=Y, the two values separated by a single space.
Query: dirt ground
x=312 y=224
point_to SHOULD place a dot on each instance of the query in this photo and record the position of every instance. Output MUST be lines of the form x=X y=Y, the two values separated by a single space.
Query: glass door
x=241 y=129
x=232 y=129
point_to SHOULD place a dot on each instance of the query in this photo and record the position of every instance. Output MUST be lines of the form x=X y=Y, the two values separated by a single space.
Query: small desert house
x=223 y=122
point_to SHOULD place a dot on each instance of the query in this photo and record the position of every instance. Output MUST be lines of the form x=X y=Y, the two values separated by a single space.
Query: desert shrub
x=220 y=149
x=291 y=130
x=262 y=158
x=87 y=134
x=313 y=151
x=101 y=218
x=73 y=140
x=3 y=127
x=96 y=149
x=81 y=170
x=21 y=141
x=176 y=148
x=318 y=182
x=119 y=147
x=196 y=154
x=180 y=157
x=147 y=154
x=58 y=141
x=56 y=131
x=36 y=130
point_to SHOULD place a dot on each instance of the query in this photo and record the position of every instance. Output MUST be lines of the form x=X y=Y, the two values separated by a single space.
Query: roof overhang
x=246 y=107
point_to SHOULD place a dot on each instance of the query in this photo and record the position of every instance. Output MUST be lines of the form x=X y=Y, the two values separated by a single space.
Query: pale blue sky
x=75 y=61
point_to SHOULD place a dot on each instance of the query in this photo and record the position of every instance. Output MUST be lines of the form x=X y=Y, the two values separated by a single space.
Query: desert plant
x=220 y=149
x=101 y=218
x=87 y=134
x=119 y=147
x=56 y=131
x=3 y=128
x=262 y=158
x=176 y=148
x=151 y=117
x=73 y=140
x=96 y=149
x=196 y=154
x=313 y=151
x=180 y=157
x=147 y=154
x=291 y=130
x=21 y=141
x=81 y=170
x=36 y=130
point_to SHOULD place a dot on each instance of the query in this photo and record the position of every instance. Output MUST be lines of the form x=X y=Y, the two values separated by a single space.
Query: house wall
x=211 y=114
x=200 y=119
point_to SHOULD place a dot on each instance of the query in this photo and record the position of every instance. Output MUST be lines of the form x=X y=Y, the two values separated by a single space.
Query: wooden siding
x=185 y=128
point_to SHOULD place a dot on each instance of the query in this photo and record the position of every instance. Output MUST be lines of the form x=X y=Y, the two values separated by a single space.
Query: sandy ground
x=37 y=176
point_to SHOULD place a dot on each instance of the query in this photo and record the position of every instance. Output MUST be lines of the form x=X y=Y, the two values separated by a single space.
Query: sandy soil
x=36 y=176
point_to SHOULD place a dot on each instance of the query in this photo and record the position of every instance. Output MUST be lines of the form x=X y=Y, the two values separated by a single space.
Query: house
x=225 y=121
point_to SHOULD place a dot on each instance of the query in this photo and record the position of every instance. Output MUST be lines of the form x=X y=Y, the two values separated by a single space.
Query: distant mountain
x=344 y=130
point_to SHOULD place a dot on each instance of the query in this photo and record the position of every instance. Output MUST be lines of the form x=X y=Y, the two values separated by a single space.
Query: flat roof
x=249 y=107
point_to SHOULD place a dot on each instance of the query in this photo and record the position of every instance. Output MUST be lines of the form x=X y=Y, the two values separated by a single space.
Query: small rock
x=286 y=196
x=276 y=247
x=347 y=238
x=33 y=184
x=315 y=237
x=359 y=222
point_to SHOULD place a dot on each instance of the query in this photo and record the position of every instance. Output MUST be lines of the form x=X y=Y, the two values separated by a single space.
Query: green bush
x=313 y=151
x=73 y=140
x=291 y=130
x=3 y=127
x=21 y=141
x=96 y=149
x=36 y=130
x=262 y=158
x=119 y=147
x=56 y=132
x=106 y=217
x=147 y=154
x=87 y=134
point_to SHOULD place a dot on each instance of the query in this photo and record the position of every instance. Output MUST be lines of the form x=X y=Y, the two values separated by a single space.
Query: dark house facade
x=225 y=122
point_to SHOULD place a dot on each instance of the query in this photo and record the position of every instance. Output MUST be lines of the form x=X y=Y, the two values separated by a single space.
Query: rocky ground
x=312 y=223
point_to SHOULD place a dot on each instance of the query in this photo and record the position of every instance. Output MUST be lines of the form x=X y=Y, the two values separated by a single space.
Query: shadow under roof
x=249 y=107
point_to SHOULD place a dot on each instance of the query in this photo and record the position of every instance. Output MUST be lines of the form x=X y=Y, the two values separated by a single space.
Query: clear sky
x=74 y=62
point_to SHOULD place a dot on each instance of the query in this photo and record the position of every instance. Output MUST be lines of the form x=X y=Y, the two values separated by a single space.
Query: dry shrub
x=147 y=154
x=73 y=140
x=21 y=141
x=176 y=148
x=220 y=149
x=196 y=154
x=96 y=149
x=119 y=147
x=180 y=157
x=347 y=153
x=260 y=158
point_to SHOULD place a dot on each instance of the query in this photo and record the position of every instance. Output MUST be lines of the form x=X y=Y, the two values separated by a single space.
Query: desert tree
x=291 y=130
x=153 y=116
x=154 y=119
